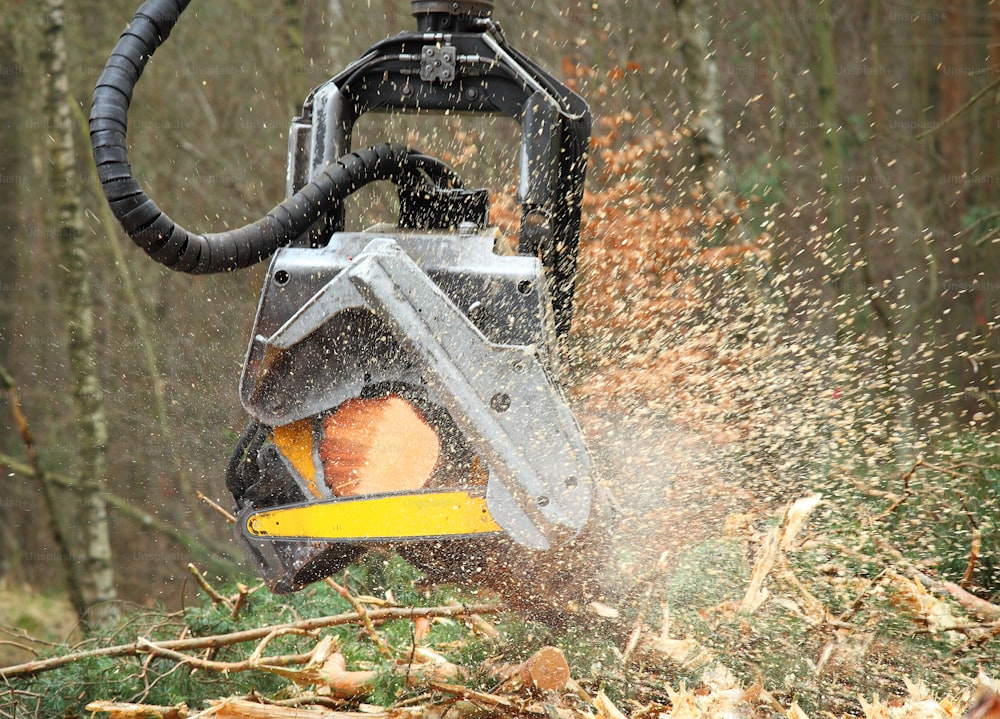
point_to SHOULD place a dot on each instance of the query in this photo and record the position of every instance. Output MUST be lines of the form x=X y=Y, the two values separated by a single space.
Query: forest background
x=791 y=250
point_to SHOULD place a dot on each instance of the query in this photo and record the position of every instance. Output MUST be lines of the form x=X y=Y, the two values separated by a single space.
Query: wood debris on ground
x=720 y=696
x=323 y=683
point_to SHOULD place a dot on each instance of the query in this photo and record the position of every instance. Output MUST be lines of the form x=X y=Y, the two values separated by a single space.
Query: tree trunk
x=992 y=130
x=830 y=153
x=952 y=91
x=292 y=15
x=10 y=196
x=701 y=81
x=91 y=516
x=10 y=181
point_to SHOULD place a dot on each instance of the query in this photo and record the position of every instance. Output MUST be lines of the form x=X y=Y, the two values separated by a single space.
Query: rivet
x=500 y=402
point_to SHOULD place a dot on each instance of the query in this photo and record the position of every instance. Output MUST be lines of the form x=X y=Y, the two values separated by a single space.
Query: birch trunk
x=701 y=81
x=96 y=574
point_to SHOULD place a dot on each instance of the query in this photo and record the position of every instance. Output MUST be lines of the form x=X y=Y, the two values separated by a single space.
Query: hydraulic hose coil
x=152 y=229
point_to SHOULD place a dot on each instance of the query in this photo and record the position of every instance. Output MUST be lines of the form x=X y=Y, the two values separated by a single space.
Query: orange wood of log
x=421 y=628
x=383 y=444
x=986 y=707
x=545 y=670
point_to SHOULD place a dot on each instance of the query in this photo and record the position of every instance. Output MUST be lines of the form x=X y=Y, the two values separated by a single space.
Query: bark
x=158 y=386
x=10 y=181
x=876 y=105
x=830 y=152
x=952 y=92
x=776 y=36
x=292 y=15
x=91 y=516
x=701 y=81
x=10 y=195
x=992 y=159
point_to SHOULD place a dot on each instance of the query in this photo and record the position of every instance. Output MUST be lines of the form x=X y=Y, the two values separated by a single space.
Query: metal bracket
x=438 y=63
x=540 y=473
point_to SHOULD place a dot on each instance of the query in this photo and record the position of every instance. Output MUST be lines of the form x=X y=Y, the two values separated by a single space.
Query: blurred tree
x=831 y=153
x=90 y=515
x=704 y=117
x=10 y=173
x=952 y=92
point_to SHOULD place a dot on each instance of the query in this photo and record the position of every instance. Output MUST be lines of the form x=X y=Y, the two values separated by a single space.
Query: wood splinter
x=128 y=710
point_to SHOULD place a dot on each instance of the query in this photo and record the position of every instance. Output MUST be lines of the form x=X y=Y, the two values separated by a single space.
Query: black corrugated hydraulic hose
x=149 y=227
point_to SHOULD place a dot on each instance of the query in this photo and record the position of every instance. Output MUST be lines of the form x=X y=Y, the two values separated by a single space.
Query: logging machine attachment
x=399 y=380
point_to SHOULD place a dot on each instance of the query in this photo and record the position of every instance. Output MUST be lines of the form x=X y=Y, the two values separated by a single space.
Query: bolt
x=500 y=402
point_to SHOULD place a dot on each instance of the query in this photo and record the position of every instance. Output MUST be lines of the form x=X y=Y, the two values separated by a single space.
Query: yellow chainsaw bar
x=411 y=515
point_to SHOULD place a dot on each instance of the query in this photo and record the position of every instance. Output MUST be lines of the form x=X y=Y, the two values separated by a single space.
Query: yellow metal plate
x=394 y=516
x=295 y=441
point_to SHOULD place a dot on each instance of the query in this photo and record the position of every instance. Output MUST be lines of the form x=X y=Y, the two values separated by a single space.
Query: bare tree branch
x=962 y=108
x=248 y=635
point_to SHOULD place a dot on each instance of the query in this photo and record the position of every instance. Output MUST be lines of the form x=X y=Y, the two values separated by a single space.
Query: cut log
x=545 y=670
x=383 y=444
x=986 y=707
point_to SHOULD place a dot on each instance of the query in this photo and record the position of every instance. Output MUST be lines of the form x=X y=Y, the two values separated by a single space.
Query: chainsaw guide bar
x=390 y=517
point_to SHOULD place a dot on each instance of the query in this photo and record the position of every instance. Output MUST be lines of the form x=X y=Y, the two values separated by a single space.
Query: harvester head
x=401 y=381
